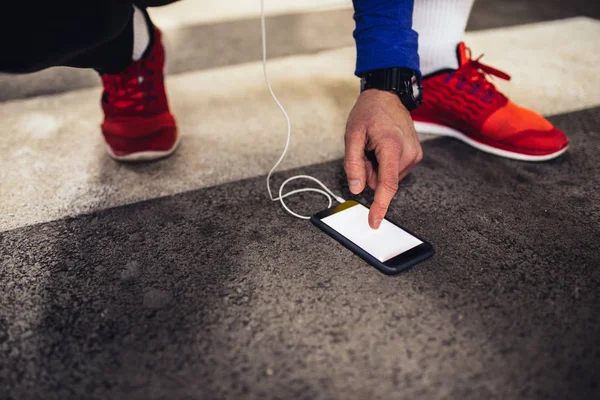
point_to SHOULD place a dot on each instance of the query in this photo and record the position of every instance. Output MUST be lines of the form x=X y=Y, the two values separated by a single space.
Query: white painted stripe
x=191 y=12
x=54 y=164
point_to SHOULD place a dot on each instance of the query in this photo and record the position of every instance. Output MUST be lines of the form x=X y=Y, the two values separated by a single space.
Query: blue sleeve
x=384 y=35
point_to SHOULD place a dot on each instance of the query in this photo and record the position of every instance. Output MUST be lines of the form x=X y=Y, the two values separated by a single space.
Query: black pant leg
x=39 y=34
x=152 y=3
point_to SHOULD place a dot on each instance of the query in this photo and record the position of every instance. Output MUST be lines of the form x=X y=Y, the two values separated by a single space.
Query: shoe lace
x=134 y=87
x=477 y=75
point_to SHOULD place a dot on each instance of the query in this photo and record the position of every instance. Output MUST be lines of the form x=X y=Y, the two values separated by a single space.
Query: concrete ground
x=181 y=280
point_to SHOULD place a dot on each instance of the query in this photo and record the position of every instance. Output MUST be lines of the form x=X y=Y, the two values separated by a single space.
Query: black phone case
x=369 y=258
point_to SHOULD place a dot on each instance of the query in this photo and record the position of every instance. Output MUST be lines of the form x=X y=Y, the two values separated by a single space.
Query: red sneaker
x=137 y=123
x=463 y=104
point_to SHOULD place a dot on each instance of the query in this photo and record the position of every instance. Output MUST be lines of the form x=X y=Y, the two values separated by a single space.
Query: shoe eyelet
x=474 y=89
x=487 y=97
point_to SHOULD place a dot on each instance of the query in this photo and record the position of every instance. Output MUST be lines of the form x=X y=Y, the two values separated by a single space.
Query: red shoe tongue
x=461 y=52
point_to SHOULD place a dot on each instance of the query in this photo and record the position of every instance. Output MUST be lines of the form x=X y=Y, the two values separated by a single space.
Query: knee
x=84 y=29
x=19 y=61
x=113 y=17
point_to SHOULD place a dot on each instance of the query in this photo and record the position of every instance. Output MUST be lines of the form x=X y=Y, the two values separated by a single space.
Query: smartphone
x=391 y=249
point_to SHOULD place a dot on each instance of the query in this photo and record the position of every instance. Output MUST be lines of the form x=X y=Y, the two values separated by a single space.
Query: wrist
x=381 y=96
x=405 y=83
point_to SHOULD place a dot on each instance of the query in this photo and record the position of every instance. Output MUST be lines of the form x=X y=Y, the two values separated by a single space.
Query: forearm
x=384 y=35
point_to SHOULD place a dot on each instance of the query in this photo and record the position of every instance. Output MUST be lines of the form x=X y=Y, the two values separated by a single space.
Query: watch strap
x=405 y=82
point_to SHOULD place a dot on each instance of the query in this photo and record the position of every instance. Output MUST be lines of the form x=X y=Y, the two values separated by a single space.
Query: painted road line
x=54 y=163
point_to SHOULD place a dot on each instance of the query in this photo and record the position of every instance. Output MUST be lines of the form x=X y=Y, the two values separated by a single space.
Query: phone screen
x=384 y=243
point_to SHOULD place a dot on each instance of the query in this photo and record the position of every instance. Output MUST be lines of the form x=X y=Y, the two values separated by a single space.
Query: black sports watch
x=405 y=82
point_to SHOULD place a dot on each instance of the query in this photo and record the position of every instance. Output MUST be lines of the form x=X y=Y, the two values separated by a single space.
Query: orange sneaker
x=463 y=104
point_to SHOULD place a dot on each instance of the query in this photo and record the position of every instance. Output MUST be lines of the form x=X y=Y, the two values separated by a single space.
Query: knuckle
x=419 y=156
x=353 y=136
x=352 y=164
x=389 y=149
x=390 y=186
x=355 y=128
x=375 y=125
x=379 y=208
x=392 y=135
x=394 y=146
x=411 y=156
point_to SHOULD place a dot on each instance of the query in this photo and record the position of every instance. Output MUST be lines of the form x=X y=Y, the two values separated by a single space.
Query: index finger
x=387 y=182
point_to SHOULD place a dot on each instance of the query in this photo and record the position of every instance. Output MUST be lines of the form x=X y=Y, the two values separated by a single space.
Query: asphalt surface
x=218 y=293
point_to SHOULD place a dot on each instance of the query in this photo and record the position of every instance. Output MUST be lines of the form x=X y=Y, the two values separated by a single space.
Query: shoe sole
x=142 y=156
x=427 y=127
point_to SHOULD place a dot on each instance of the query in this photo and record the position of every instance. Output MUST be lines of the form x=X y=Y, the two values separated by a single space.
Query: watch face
x=416 y=88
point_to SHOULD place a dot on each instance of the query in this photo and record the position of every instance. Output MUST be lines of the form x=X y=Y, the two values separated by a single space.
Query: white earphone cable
x=326 y=192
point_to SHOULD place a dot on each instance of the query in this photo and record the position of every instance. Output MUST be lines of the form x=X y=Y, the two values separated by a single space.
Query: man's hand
x=379 y=122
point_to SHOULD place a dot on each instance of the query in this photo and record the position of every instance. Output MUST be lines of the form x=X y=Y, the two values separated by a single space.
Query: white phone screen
x=384 y=243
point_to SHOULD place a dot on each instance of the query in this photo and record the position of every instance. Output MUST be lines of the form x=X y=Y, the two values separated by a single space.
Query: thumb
x=354 y=160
